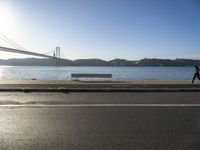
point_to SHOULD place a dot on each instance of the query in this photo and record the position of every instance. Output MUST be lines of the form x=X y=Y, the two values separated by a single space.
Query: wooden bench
x=91 y=75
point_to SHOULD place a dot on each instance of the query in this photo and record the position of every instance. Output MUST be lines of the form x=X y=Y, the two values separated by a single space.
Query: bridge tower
x=57 y=54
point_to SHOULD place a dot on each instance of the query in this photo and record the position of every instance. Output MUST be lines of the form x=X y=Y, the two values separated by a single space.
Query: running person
x=196 y=73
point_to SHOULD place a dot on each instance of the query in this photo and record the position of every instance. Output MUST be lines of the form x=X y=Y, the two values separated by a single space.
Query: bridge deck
x=13 y=50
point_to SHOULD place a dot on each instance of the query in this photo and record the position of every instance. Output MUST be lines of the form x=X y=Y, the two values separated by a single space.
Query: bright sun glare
x=8 y=26
x=7 y=19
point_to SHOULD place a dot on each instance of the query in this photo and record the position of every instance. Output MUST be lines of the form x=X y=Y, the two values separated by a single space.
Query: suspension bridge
x=56 y=53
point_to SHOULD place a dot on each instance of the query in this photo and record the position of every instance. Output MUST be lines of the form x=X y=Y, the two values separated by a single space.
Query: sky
x=105 y=29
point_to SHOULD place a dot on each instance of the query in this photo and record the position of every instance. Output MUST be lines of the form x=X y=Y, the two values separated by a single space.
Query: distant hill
x=167 y=62
x=98 y=62
x=35 y=62
x=1 y=61
x=122 y=62
x=91 y=62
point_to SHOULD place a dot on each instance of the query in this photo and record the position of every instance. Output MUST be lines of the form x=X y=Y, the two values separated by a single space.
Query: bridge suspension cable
x=21 y=50
x=6 y=49
x=63 y=55
x=50 y=52
x=9 y=41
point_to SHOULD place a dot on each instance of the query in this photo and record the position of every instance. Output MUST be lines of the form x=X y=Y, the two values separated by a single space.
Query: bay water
x=118 y=73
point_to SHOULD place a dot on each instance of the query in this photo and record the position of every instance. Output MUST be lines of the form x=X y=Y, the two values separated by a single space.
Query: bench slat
x=90 y=75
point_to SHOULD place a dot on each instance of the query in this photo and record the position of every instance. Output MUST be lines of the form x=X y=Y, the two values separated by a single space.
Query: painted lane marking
x=102 y=105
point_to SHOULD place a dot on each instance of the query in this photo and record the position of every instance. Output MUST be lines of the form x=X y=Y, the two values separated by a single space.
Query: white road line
x=102 y=105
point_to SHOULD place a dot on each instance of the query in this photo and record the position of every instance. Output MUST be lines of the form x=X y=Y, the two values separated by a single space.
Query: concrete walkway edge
x=99 y=86
x=100 y=90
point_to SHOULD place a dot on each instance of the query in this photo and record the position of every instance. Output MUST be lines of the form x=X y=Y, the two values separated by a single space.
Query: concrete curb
x=100 y=90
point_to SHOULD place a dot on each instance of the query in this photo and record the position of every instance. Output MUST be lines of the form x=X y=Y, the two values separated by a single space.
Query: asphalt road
x=100 y=121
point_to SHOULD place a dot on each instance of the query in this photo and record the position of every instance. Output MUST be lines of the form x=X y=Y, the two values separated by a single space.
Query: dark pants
x=195 y=75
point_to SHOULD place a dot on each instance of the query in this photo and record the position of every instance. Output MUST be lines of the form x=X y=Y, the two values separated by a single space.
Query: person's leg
x=198 y=76
x=193 y=79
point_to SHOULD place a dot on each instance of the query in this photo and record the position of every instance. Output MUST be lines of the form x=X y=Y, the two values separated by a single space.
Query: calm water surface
x=119 y=73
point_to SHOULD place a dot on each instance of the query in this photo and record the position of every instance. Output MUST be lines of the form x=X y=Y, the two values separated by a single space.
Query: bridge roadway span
x=6 y=49
x=108 y=121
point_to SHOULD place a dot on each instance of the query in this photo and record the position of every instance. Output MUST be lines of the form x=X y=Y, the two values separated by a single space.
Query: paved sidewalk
x=98 y=86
